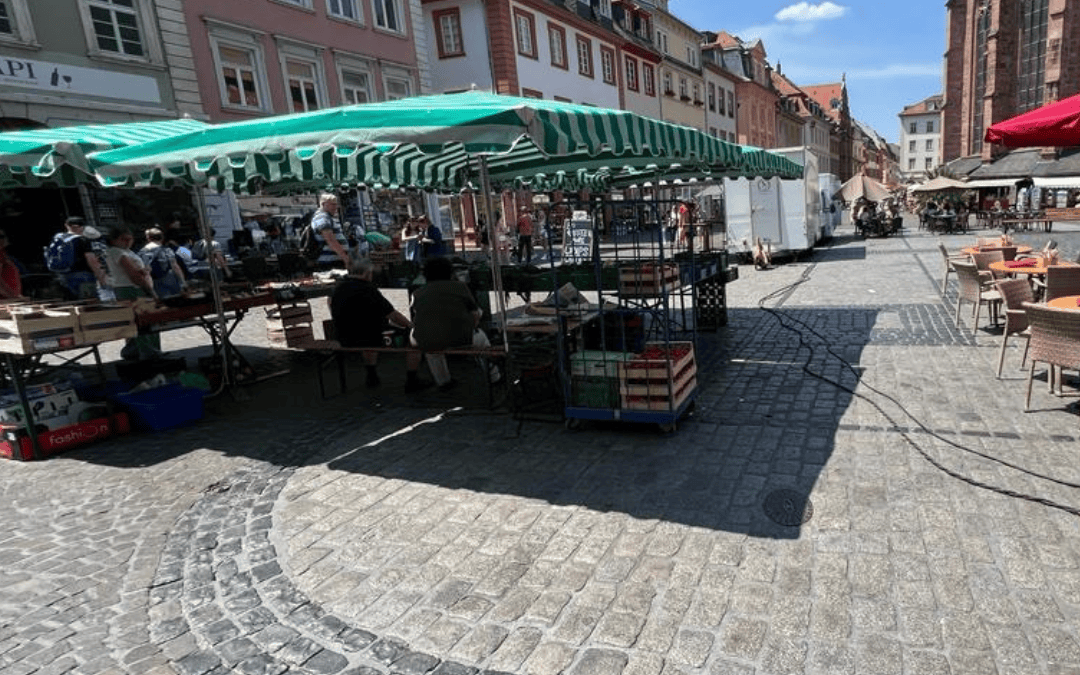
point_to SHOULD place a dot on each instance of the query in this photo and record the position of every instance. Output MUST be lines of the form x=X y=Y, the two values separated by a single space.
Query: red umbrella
x=1053 y=125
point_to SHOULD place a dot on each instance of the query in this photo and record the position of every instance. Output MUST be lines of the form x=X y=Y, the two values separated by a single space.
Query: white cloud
x=804 y=11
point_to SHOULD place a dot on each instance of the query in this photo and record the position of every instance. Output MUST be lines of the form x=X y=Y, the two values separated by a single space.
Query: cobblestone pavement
x=369 y=533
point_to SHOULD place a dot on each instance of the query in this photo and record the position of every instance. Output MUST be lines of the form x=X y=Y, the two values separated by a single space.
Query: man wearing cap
x=80 y=280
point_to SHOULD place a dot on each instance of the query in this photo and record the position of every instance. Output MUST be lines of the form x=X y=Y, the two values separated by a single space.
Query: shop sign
x=65 y=80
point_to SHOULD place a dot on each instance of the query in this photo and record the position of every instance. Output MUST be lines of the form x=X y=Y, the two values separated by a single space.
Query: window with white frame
x=525 y=30
x=692 y=55
x=913 y=127
x=930 y=127
x=388 y=15
x=448 y=32
x=911 y=146
x=661 y=41
x=648 y=81
x=669 y=88
x=604 y=8
x=684 y=91
x=355 y=85
x=15 y=24
x=557 y=46
x=911 y=164
x=929 y=145
x=241 y=71
x=345 y=9
x=631 y=73
x=731 y=104
x=720 y=101
x=301 y=66
x=306 y=4
x=397 y=83
x=120 y=28
x=584 y=56
x=929 y=163
x=607 y=64
x=697 y=93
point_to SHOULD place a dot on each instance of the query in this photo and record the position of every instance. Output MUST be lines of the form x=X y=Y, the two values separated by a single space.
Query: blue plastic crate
x=163 y=407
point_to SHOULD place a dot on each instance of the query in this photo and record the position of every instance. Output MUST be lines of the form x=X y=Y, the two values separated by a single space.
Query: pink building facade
x=266 y=57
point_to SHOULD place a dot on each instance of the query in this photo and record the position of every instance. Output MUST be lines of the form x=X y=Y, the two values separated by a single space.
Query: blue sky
x=892 y=52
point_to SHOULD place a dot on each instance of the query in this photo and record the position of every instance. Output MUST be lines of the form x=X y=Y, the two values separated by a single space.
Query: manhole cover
x=787 y=507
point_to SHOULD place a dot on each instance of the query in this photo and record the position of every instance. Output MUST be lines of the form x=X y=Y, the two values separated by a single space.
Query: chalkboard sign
x=578 y=239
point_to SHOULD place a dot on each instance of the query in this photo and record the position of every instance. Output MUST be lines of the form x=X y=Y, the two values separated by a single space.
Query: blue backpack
x=157 y=261
x=60 y=253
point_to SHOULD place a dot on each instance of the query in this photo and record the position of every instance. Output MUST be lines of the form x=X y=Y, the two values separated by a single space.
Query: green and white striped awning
x=430 y=142
x=58 y=156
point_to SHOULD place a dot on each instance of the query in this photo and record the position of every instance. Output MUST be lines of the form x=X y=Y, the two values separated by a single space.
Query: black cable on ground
x=781 y=316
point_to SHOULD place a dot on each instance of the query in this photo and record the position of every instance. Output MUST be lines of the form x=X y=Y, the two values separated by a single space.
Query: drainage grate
x=787 y=507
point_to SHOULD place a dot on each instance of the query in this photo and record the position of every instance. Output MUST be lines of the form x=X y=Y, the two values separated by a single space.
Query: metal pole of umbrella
x=215 y=290
x=496 y=268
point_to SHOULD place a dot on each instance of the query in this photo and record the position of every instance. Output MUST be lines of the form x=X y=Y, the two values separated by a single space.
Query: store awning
x=1057 y=182
x=992 y=182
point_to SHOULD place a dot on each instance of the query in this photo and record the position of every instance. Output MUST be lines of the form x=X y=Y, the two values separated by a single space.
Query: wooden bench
x=1061 y=214
x=330 y=352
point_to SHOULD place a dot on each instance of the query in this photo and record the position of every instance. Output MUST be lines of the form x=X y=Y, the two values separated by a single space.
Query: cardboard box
x=15 y=443
x=41 y=407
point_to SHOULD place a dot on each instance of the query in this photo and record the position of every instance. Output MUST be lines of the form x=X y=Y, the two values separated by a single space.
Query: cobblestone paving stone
x=371 y=534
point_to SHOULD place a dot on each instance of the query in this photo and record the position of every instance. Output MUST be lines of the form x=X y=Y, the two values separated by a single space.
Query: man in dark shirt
x=81 y=281
x=361 y=314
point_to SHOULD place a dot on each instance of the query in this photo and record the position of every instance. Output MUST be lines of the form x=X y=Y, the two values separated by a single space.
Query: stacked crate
x=26 y=329
x=660 y=378
x=594 y=378
x=290 y=324
x=648 y=279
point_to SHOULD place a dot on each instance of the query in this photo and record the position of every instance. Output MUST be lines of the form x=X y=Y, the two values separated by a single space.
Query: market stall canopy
x=57 y=156
x=940 y=184
x=430 y=142
x=861 y=185
x=1056 y=124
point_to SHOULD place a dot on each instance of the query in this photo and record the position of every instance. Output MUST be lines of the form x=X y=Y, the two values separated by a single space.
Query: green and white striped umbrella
x=58 y=156
x=430 y=142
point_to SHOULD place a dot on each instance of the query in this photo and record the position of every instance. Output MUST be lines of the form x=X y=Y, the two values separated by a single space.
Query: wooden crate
x=102 y=323
x=1062 y=214
x=290 y=324
x=677 y=356
x=386 y=256
x=26 y=330
x=661 y=402
x=648 y=279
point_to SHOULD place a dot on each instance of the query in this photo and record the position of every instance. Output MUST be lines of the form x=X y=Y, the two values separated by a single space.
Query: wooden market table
x=1038 y=269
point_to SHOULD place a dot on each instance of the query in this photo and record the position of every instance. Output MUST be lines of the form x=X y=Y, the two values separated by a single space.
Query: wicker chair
x=949 y=258
x=982 y=261
x=1061 y=281
x=971 y=290
x=1055 y=341
x=1014 y=293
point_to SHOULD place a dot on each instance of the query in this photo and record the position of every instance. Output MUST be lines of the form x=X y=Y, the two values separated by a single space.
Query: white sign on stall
x=577 y=244
x=66 y=80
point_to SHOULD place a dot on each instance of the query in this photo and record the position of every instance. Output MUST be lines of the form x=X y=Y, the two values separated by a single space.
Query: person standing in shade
x=165 y=271
x=10 y=272
x=525 y=235
x=131 y=280
x=361 y=314
x=325 y=224
x=71 y=256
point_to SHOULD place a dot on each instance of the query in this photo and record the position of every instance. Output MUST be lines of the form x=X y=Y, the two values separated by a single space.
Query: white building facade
x=920 y=139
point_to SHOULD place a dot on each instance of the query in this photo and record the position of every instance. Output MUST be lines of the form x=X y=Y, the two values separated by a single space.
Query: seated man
x=445 y=315
x=361 y=314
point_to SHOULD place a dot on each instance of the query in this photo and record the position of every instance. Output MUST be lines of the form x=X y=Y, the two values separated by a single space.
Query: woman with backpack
x=165 y=272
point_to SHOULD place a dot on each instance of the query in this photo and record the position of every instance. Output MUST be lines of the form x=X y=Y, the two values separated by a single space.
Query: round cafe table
x=999 y=268
x=985 y=249
x=1065 y=302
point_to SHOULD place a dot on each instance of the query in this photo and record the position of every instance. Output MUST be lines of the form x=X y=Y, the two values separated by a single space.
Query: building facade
x=1003 y=59
x=720 y=106
x=682 y=84
x=814 y=127
x=265 y=57
x=832 y=97
x=920 y=139
x=756 y=99
x=67 y=62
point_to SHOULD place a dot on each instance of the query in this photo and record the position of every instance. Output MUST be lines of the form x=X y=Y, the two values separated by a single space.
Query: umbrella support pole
x=215 y=291
x=496 y=269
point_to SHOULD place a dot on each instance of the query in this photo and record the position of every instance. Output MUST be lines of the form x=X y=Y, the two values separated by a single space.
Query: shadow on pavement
x=760 y=423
